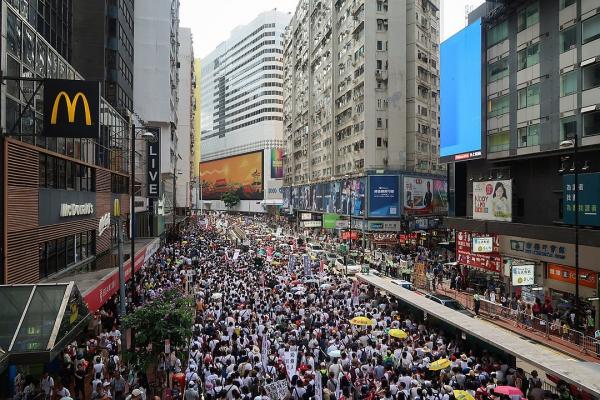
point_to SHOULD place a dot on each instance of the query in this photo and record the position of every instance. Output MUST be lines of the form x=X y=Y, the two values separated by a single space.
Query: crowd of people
x=271 y=324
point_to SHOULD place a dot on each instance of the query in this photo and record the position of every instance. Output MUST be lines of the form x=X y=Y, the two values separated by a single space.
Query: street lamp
x=350 y=211
x=575 y=145
x=144 y=134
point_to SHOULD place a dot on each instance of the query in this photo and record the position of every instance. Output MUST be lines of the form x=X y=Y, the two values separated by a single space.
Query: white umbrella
x=335 y=354
x=326 y=286
x=216 y=296
x=298 y=289
x=300 y=293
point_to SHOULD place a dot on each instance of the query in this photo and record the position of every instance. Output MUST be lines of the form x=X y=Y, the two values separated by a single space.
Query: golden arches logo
x=71 y=107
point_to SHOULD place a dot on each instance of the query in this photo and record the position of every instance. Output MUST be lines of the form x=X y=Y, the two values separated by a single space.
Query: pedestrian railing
x=543 y=326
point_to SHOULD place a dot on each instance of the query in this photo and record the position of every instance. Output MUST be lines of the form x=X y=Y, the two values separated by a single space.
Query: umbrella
x=508 y=390
x=300 y=293
x=439 y=365
x=326 y=286
x=276 y=263
x=335 y=354
x=463 y=395
x=364 y=321
x=398 y=333
x=298 y=289
x=277 y=255
x=216 y=296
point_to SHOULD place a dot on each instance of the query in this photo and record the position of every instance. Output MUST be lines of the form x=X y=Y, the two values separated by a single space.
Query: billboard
x=71 y=108
x=482 y=244
x=589 y=199
x=523 y=275
x=492 y=200
x=384 y=197
x=425 y=196
x=242 y=174
x=461 y=102
x=464 y=255
x=276 y=163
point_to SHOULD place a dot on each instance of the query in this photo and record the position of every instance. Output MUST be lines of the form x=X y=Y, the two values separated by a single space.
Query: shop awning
x=38 y=321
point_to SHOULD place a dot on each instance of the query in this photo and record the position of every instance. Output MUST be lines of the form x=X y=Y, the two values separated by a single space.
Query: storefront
x=480 y=266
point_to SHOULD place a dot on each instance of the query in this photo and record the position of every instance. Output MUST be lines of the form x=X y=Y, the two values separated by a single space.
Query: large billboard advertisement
x=276 y=163
x=492 y=200
x=242 y=174
x=589 y=199
x=425 y=196
x=384 y=197
x=460 y=88
x=339 y=197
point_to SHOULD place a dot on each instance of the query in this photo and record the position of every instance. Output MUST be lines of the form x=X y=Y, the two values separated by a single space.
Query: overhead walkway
x=584 y=375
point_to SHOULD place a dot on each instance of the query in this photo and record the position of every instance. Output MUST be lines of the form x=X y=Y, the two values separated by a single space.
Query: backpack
x=112 y=365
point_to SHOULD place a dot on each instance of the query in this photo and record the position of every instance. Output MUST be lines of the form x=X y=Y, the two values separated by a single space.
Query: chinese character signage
x=492 y=200
x=491 y=262
x=482 y=244
x=589 y=199
x=566 y=274
x=383 y=196
x=523 y=275
x=425 y=196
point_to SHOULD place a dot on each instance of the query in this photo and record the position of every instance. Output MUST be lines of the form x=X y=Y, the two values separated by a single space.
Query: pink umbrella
x=508 y=390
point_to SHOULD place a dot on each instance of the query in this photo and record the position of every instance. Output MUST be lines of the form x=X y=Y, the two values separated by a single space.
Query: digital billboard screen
x=460 y=92
x=242 y=174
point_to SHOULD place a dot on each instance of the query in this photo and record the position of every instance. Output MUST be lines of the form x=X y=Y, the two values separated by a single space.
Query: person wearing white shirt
x=47 y=385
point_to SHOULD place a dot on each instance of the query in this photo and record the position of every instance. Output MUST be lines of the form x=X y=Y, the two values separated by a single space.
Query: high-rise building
x=520 y=86
x=185 y=116
x=242 y=97
x=156 y=78
x=361 y=89
x=103 y=47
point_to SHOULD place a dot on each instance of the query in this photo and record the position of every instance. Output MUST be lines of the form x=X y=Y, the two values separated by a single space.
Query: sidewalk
x=554 y=342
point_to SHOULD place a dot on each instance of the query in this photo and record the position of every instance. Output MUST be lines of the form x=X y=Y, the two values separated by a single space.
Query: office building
x=242 y=97
x=185 y=114
x=532 y=70
x=361 y=95
x=156 y=78
x=103 y=48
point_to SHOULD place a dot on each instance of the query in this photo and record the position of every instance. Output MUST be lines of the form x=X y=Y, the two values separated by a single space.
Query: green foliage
x=169 y=316
x=231 y=199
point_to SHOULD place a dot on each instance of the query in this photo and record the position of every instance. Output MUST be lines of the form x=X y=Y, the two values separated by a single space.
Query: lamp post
x=566 y=144
x=351 y=209
x=144 y=135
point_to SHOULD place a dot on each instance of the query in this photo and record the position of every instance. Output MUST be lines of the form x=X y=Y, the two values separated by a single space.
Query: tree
x=231 y=199
x=169 y=316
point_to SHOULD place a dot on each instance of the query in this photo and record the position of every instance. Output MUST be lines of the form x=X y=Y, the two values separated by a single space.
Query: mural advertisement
x=276 y=163
x=425 y=196
x=384 y=196
x=242 y=174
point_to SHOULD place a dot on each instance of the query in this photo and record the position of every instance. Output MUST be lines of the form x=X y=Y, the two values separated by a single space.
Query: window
x=568 y=127
x=379 y=123
x=591 y=76
x=568 y=83
x=379 y=45
x=566 y=3
x=497 y=34
x=591 y=123
x=590 y=29
x=529 y=96
x=498 y=142
x=568 y=39
x=498 y=70
x=55 y=173
x=379 y=142
x=529 y=135
x=528 y=17
x=498 y=106
x=528 y=57
x=379 y=64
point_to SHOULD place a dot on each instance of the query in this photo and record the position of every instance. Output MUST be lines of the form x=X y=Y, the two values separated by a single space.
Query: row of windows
x=265 y=26
x=250 y=83
x=263 y=110
x=58 y=173
x=254 y=105
x=58 y=254
x=254 y=97
x=119 y=184
x=234 y=79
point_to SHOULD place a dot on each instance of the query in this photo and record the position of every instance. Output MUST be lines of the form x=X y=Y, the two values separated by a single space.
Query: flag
x=236 y=254
x=291 y=263
x=307 y=266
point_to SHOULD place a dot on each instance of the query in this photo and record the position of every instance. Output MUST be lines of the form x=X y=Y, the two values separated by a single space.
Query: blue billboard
x=589 y=199
x=384 y=197
x=460 y=92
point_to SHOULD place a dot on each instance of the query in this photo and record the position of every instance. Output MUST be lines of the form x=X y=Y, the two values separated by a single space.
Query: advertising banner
x=295 y=197
x=276 y=163
x=290 y=358
x=523 y=275
x=383 y=196
x=317 y=197
x=425 y=196
x=482 y=244
x=327 y=198
x=153 y=165
x=287 y=197
x=566 y=274
x=491 y=262
x=329 y=220
x=242 y=174
x=589 y=199
x=492 y=200
x=311 y=224
x=305 y=216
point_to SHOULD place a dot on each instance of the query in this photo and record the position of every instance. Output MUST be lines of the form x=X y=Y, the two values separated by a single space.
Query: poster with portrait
x=286 y=195
x=317 y=199
x=295 y=197
x=440 y=197
x=358 y=196
x=327 y=203
x=418 y=195
x=492 y=200
x=336 y=197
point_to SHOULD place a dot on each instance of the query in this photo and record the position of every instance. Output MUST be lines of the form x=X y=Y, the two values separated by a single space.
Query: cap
x=136 y=392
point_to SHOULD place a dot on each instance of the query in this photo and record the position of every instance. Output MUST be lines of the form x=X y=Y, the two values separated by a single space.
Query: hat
x=463 y=357
x=136 y=392
x=106 y=383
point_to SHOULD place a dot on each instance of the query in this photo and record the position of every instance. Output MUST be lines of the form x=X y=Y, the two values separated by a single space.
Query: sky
x=212 y=20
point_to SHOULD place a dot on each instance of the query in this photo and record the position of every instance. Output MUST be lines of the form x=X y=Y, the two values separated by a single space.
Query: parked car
x=314 y=249
x=405 y=284
x=449 y=302
x=349 y=266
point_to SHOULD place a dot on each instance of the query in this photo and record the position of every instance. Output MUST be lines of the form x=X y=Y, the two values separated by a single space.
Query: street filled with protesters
x=274 y=322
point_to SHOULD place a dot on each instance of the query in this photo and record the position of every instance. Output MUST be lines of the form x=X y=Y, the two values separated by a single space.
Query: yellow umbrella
x=276 y=263
x=364 y=321
x=439 y=365
x=463 y=395
x=398 y=333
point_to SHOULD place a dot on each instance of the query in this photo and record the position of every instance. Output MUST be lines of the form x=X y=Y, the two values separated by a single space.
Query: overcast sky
x=212 y=20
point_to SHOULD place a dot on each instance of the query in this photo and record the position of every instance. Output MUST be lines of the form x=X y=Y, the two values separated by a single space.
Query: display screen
x=460 y=92
x=242 y=174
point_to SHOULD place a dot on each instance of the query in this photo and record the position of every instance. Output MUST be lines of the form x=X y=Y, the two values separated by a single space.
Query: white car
x=314 y=249
x=351 y=268
x=403 y=283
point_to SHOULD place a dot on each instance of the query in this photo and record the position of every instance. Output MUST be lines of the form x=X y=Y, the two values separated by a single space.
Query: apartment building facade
x=242 y=97
x=361 y=91
x=539 y=93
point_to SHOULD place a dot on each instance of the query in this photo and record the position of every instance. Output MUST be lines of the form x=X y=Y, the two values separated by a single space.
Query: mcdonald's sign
x=71 y=108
